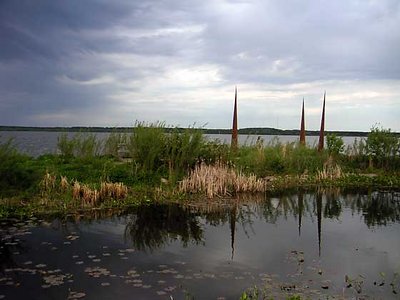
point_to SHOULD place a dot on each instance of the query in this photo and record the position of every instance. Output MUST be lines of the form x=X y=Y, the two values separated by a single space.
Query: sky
x=111 y=63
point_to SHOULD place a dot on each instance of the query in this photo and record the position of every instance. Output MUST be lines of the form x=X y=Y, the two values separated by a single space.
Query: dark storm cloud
x=81 y=59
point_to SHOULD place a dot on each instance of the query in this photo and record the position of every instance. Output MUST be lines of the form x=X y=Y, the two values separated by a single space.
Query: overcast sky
x=109 y=63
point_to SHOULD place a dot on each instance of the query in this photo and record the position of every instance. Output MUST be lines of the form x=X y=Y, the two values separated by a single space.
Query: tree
x=382 y=146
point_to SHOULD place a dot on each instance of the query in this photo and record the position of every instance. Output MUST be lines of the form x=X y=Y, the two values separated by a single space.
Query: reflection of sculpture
x=319 y=220
x=154 y=226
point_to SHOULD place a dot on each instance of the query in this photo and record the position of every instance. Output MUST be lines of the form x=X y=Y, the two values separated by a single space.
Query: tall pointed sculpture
x=234 y=141
x=302 y=128
x=322 y=130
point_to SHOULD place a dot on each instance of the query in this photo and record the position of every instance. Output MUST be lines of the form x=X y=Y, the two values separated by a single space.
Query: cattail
x=220 y=180
x=64 y=184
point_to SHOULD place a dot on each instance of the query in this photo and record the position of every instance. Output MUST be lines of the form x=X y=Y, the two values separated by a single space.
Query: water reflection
x=275 y=238
x=154 y=226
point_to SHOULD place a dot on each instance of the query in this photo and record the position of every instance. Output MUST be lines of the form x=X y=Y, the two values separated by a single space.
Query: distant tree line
x=247 y=131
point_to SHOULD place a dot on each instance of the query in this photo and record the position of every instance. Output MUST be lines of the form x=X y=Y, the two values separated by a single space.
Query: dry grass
x=91 y=197
x=85 y=194
x=113 y=190
x=220 y=180
x=48 y=183
x=330 y=170
x=64 y=184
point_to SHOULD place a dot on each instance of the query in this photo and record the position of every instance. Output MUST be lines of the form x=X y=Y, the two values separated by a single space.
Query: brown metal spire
x=322 y=130
x=234 y=141
x=302 y=127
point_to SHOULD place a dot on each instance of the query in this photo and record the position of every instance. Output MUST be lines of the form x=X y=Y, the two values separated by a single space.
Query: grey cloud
x=52 y=50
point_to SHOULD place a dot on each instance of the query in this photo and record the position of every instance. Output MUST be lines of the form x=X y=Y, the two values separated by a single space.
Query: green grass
x=160 y=159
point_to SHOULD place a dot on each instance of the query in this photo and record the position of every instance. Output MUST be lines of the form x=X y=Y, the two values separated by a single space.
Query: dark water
x=36 y=143
x=304 y=243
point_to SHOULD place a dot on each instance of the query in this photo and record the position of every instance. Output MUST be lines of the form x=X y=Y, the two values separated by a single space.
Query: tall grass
x=114 y=143
x=182 y=151
x=220 y=180
x=83 y=145
x=279 y=158
x=15 y=174
x=146 y=145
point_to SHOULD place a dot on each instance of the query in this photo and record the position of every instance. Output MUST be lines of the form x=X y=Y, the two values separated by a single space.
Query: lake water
x=306 y=243
x=36 y=143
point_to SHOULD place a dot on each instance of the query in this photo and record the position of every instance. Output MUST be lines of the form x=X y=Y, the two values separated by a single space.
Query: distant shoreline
x=247 y=131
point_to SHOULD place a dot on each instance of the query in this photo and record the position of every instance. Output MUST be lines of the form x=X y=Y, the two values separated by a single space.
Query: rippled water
x=305 y=242
x=37 y=143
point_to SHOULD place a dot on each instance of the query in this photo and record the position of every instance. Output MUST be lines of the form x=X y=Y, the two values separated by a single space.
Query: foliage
x=278 y=158
x=383 y=146
x=15 y=176
x=65 y=146
x=146 y=146
x=82 y=145
x=182 y=151
x=335 y=144
x=113 y=143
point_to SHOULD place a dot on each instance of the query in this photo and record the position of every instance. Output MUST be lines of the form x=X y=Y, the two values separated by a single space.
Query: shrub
x=65 y=146
x=113 y=143
x=335 y=144
x=15 y=174
x=382 y=146
x=146 y=145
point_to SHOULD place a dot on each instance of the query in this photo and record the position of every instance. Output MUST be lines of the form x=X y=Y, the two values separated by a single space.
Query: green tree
x=335 y=144
x=382 y=146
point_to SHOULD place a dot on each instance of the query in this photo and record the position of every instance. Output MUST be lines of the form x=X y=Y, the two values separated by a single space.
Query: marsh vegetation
x=147 y=164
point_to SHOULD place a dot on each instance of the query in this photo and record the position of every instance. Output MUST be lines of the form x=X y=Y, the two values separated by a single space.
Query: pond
x=311 y=243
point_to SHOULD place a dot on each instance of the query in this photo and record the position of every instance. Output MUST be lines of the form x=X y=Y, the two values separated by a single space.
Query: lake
x=313 y=243
x=36 y=143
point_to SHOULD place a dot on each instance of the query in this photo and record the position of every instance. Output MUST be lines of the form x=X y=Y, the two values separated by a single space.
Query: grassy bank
x=147 y=165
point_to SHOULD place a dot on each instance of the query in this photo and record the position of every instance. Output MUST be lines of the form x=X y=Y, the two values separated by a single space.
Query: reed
x=83 y=193
x=329 y=171
x=146 y=146
x=64 y=184
x=220 y=180
x=114 y=142
x=48 y=184
x=113 y=190
x=82 y=144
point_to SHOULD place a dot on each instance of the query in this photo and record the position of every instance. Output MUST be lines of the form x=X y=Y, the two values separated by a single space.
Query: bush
x=15 y=174
x=113 y=143
x=383 y=147
x=146 y=145
x=335 y=144
x=82 y=145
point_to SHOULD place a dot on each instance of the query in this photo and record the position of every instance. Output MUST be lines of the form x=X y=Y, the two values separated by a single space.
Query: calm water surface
x=37 y=143
x=305 y=243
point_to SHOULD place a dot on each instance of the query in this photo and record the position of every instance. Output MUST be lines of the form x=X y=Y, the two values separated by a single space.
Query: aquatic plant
x=65 y=145
x=220 y=180
x=82 y=144
x=114 y=142
x=330 y=171
x=111 y=190
x=146 y=145
x=48 y=183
